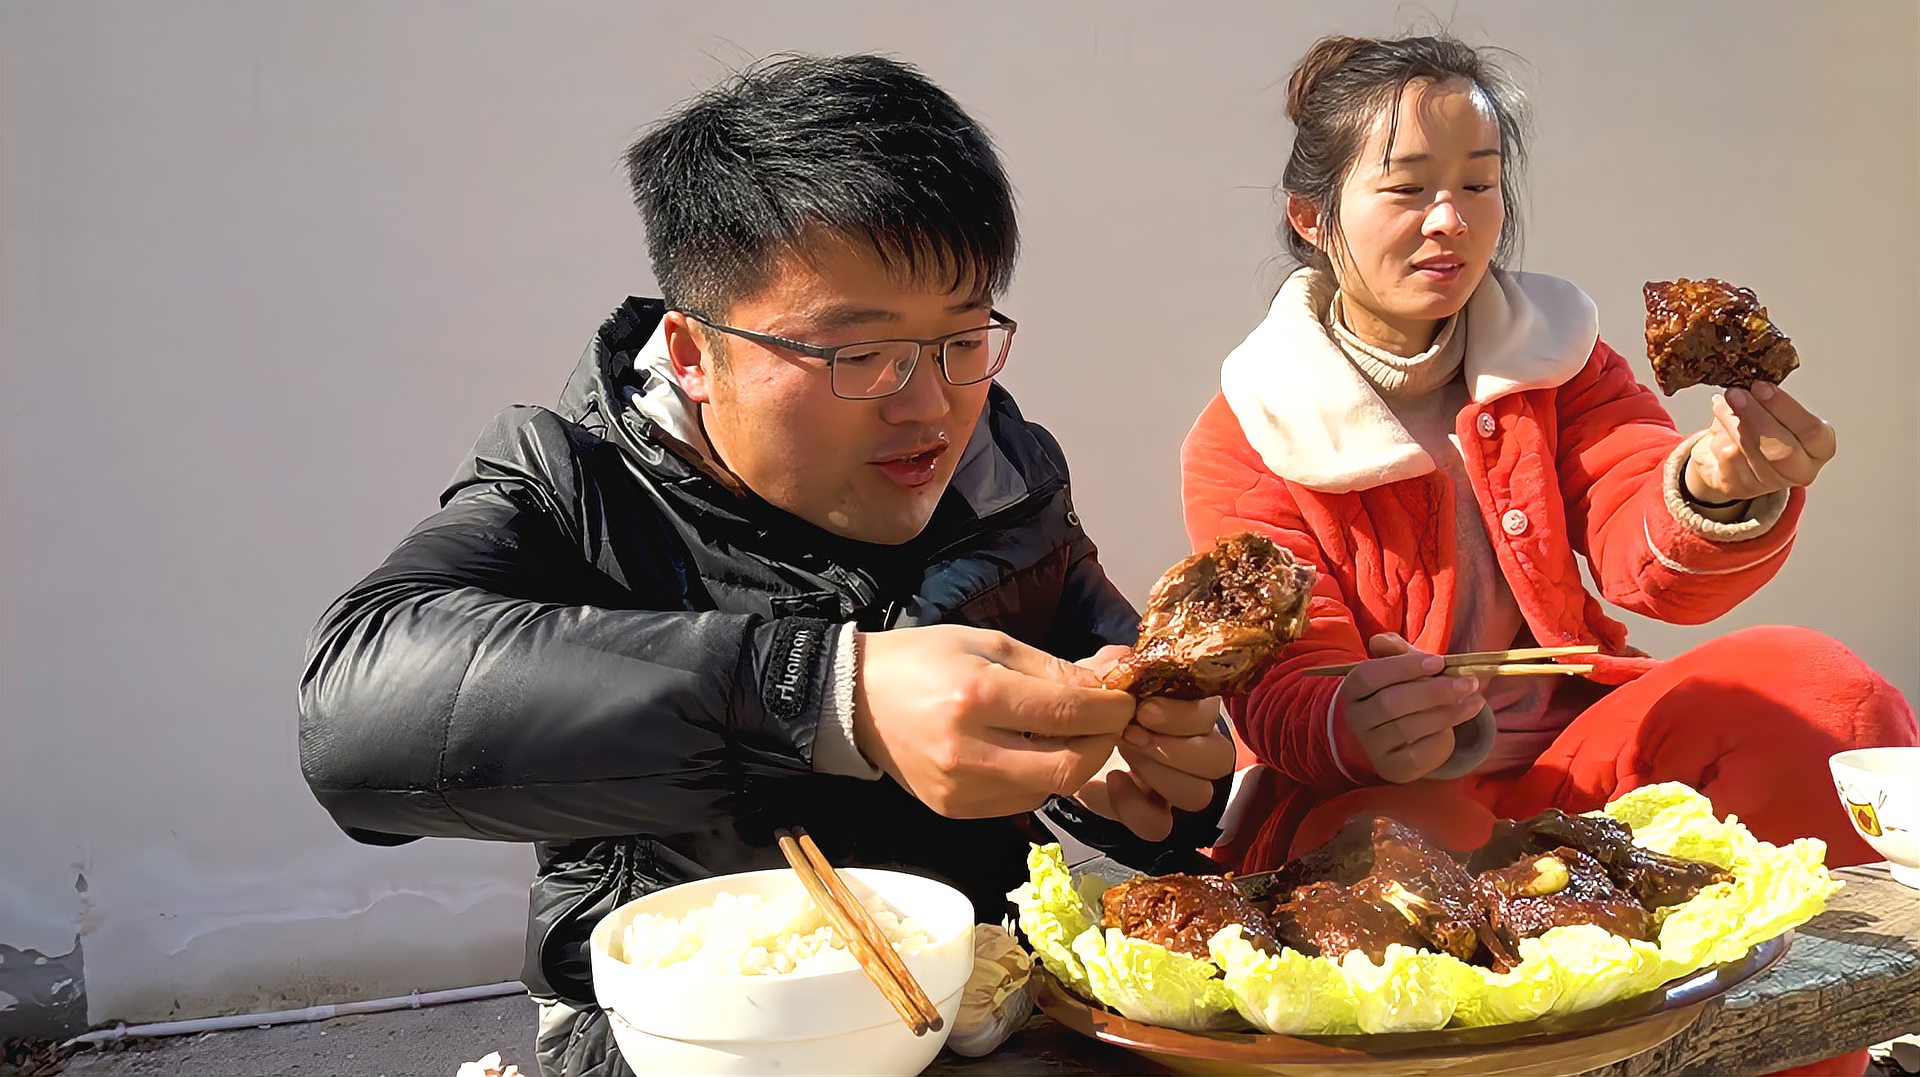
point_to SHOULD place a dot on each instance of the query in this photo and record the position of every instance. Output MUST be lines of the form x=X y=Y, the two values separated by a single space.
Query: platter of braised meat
x=1565 y=942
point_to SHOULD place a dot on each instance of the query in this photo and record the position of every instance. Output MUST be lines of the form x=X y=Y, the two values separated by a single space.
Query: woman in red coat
x=1444 y=439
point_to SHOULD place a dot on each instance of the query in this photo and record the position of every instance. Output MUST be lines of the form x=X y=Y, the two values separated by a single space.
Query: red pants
x=1748 y=719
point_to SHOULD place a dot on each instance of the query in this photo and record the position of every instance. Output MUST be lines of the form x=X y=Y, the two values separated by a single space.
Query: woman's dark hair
x=1343 y=83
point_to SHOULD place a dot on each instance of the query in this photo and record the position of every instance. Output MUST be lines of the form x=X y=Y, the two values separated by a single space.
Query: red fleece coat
x=1575 y=469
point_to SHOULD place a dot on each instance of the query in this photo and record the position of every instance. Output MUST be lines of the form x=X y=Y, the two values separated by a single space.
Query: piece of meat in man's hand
x=1216 y=619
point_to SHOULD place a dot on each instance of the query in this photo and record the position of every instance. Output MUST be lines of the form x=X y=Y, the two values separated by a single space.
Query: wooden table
x=1852 y=979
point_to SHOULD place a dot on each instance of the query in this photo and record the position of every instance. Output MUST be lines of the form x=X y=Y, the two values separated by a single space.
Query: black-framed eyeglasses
x=876 y=368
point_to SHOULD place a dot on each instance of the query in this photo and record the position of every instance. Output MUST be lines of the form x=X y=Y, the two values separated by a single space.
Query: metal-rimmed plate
x=1571 y=1043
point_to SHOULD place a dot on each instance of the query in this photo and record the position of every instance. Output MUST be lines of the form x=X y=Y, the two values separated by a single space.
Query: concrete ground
x=429 y=1042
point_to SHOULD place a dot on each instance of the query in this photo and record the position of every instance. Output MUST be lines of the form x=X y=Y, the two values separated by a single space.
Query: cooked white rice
x=750 y=935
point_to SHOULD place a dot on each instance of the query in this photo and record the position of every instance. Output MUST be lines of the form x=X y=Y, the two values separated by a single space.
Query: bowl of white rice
x=744 y=974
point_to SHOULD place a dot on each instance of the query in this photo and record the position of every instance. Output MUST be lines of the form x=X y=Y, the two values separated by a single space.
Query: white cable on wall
x=230 y=1022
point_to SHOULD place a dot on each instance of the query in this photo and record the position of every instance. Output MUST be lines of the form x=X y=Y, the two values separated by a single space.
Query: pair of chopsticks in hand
x=869 y=944
x=1518 y=662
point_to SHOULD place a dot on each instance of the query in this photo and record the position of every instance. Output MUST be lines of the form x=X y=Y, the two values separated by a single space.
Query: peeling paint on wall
x=41 y=994
x=176 y=932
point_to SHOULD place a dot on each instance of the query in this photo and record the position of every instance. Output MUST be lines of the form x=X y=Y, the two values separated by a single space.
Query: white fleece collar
x=1317 y=421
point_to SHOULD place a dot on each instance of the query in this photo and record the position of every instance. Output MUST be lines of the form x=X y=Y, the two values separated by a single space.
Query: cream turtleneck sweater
x=1426 y=393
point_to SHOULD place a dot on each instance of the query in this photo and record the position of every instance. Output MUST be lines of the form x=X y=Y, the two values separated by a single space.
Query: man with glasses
x=783 y=556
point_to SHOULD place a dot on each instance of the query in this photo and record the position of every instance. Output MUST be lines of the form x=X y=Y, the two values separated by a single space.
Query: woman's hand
x=1402 y=707
x=1759 y=443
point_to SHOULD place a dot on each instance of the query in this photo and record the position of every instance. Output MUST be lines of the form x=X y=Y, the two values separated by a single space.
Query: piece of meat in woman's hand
x=1708 y=332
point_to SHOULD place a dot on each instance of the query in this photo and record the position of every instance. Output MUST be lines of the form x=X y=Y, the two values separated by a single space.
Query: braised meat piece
x=1710 y=332
x=1533 y=876
x=1329 y=920
x=1437 y=891
x=1346 y=858
x=1654 y=879
x=1363 y=847
x=1442 y=925
x=1556 y=889
x=1512 y=840
x=1181 y=912
x=1383 y=864
x=1216 y=619
x=1378 y=882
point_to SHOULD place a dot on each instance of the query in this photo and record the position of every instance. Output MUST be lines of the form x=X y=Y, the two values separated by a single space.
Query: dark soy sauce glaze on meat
x=1378 y=883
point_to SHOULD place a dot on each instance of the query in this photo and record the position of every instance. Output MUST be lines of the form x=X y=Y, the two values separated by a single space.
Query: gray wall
x=266 y=268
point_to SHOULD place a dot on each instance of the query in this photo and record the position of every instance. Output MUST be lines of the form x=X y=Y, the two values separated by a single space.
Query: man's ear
x=1304 y=216
x=687 y=351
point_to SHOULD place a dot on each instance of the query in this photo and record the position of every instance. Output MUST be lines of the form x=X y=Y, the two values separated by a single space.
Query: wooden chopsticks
x=864 y=938
x=1520 y=661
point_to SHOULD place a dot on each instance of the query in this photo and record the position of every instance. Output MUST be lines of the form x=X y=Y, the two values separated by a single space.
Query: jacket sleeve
x=1615 y=441
x=1092 y=612
x=1284 y=718
x=467 y=689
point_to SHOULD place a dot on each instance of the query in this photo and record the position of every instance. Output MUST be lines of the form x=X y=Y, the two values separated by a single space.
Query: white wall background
x=266 y=269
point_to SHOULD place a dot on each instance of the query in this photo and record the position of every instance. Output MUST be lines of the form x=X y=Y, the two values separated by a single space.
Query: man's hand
x=1760 y=442
x=1402 y=707
x=976 y=724
x=1168 y=758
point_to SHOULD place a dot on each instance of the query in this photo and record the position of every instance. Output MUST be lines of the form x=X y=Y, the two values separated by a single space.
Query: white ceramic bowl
x=676 y=1021
x=1880 y=789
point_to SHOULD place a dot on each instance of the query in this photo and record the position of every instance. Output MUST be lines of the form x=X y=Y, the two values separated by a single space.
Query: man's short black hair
x=862 y=146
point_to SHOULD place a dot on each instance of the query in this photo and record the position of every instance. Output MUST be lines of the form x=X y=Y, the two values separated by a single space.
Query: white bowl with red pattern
x=1880 y=790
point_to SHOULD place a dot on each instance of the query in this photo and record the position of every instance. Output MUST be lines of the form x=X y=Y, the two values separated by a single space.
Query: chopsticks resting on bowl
x=1518 y=662
x=855 y=924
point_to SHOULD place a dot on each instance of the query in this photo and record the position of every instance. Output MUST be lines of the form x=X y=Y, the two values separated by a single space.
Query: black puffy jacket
x=602 y=645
